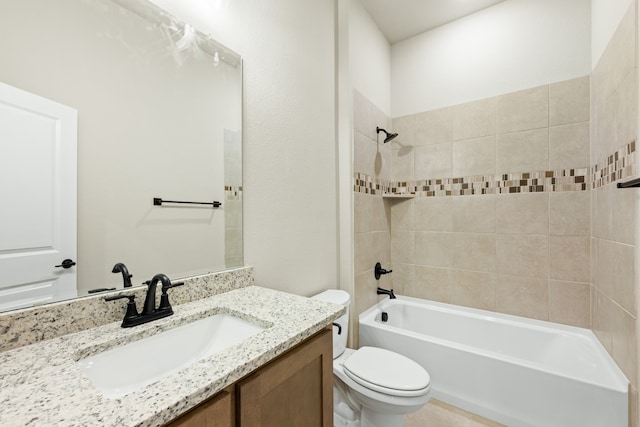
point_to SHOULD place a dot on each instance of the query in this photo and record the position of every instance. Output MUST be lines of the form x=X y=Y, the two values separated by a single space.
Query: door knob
x=67 y=263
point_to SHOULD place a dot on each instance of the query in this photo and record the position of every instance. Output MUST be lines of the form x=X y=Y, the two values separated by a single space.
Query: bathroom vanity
x=294 y=389
x=281 y=375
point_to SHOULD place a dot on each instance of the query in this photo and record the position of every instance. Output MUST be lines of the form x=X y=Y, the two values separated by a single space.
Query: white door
x=38 y=160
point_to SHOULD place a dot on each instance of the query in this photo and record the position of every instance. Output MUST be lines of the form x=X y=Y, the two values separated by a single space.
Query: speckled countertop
x=42 y=385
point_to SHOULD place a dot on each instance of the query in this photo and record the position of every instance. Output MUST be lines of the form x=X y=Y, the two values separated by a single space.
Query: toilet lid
x=387 y=372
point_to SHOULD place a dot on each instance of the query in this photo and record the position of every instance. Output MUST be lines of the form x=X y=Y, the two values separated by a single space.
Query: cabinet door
x=294 y=390
x=218 y=411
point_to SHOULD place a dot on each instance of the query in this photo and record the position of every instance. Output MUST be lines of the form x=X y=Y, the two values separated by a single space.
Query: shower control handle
x=379 y=271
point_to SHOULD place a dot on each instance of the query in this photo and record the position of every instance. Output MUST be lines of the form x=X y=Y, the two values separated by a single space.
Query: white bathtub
x=517 y=371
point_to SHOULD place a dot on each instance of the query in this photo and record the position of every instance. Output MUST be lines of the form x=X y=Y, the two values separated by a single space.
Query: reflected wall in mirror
x=159 y=114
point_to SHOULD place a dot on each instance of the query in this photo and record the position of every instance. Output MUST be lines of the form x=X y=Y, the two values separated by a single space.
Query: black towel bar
x=157 y=201
x=629 y=184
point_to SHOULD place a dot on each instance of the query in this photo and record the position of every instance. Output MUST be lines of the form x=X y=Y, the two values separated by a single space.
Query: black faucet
x=126 y=277
x=381 y=291
x=150 y=300
x=149 y=311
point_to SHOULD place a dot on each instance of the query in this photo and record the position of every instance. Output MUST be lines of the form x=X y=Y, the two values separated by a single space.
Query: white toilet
x=373 y=387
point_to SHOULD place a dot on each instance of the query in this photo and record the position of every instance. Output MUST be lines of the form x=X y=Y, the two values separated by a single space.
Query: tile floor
x=440 y=414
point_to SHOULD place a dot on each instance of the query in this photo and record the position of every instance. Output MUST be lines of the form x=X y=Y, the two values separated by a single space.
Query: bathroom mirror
x=159 y=115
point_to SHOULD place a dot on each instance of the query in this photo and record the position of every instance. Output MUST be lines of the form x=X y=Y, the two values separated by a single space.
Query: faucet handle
x=132 y=311
x=165 y=286
x=169 y=286
x=164 y=298
x=113 y=298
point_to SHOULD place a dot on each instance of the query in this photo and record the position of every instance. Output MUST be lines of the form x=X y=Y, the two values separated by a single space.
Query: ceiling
x=401 y=19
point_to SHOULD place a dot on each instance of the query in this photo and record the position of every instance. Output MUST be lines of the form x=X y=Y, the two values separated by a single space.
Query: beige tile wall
x=233 y=228
x=614 y=113
x=372 y=240
x=523 y=253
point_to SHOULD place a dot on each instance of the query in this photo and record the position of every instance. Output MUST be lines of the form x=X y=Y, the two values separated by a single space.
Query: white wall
x=369 y=58
x=344 y=94
x=290 y=222
x=605 y=18
x=511 y=46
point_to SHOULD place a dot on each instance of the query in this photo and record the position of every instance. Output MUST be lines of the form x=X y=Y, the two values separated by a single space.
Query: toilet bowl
x=373 y=387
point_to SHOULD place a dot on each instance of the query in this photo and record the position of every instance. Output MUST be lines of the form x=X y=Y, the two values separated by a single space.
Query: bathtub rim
x=618 y=380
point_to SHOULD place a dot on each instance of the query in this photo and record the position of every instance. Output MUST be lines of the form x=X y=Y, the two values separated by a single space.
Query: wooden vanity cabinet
x=295 y=389
x=218 y=411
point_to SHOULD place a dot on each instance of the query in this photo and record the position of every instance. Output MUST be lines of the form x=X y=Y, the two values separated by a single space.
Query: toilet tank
x=342 y=298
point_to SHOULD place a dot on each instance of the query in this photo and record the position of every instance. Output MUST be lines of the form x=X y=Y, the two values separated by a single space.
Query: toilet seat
x=377 y=387
x=387 y=372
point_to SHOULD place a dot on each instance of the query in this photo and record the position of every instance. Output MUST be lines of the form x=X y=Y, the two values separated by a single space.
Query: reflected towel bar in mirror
x=158 y=202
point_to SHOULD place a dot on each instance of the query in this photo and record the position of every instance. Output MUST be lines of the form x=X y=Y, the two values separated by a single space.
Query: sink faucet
x=149 y=310
x=381 y=291
x=150 y=300
x=126 y=277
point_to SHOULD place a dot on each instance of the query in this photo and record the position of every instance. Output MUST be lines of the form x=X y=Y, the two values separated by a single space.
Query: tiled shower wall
x=515 y=239
x=232 y=199
x=501 y=214
x=372 y=219
x=614 y=115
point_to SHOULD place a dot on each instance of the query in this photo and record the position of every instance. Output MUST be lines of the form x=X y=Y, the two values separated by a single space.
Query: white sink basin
x=126 y=368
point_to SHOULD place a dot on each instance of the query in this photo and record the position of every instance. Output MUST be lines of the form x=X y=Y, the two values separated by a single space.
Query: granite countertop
x=42 y=385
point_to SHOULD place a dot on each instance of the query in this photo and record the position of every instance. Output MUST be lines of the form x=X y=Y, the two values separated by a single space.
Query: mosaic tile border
x=232 y=192
x=617 y=166
x=367 y=184
x=527 y=182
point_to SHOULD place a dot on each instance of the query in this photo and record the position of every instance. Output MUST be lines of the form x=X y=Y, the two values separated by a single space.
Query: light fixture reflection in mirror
x=159 y=115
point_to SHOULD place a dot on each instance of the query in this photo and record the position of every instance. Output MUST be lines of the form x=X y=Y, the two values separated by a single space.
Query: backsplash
x=23 y=327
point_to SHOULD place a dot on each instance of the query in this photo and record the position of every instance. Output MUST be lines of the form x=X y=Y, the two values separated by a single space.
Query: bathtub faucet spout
x=381 y=291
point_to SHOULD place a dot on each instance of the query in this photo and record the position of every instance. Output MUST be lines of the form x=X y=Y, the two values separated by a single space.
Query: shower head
x=389 y=136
